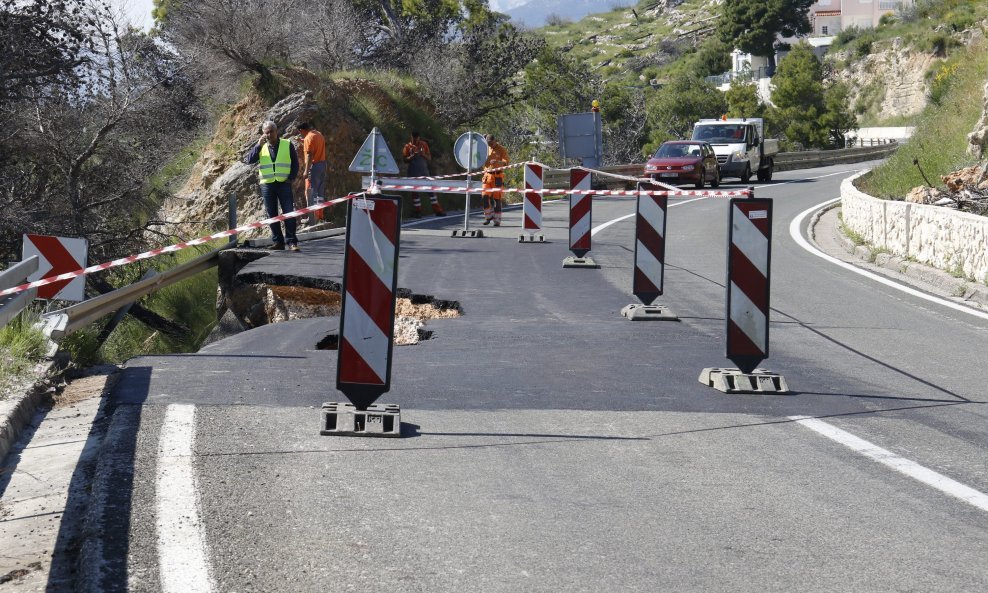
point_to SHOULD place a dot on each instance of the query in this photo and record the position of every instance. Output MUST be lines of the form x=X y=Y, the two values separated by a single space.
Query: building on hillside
x=830 y=17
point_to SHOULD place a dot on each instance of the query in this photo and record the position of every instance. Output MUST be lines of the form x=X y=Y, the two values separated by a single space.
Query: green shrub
x=21 y=346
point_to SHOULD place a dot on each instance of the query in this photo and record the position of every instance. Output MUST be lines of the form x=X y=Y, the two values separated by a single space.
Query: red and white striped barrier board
x=532 y=207
x=748 y=262
x=650 y=247
x=370 y=276
x=580 y=207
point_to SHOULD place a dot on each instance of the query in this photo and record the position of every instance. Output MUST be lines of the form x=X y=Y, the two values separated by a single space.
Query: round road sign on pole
x=470 y=150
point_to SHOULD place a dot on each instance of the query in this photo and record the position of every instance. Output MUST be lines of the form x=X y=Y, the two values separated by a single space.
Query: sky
x=138 y=12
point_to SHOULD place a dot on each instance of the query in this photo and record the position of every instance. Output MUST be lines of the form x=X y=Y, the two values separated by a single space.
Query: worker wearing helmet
x=497 y=158
x=416 y=154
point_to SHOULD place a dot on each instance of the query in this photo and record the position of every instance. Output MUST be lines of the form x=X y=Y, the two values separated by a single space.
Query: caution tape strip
x=494 y=170
x=383 y=185
x=173 y=248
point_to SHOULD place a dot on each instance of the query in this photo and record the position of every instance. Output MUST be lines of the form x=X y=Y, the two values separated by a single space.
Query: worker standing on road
x=416 y=153
x=497 y=157
x=313 y=167
x=278 y=166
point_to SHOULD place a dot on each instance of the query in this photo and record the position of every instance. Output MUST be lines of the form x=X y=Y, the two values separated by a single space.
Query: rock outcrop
x=978 y=139
x=894 y=67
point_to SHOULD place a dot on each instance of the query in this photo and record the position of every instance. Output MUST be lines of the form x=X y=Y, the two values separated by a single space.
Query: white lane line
x=601 y=227
x=182 y=561
x=797 y=236
x=899 y=464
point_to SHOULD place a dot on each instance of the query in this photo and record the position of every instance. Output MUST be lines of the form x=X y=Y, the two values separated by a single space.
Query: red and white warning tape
x=172 y=248
x=383 y=185
x=463 y=174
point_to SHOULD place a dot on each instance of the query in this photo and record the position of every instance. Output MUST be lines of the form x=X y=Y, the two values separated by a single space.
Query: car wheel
x=699 y=179
x=746 y=176
x=716 y=180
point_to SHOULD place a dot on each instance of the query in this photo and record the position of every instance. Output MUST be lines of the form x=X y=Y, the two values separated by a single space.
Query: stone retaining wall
x=940 y=237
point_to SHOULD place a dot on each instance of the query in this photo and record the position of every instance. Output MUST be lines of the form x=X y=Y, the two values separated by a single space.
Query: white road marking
x=794 y=231
x=182 y=560
x=899 y=464
x=601 y=227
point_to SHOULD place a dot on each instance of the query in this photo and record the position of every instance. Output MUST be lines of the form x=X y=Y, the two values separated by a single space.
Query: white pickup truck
x=741 y=146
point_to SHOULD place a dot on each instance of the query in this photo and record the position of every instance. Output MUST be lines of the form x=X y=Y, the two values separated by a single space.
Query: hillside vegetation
x=939 y=144
x=135 y=139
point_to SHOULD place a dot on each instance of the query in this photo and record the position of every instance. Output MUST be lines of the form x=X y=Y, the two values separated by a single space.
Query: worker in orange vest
x=497 y=158
x=313 y=167
x=416 y=154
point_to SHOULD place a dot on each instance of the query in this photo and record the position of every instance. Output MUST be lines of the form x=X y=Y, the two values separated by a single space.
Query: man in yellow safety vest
x=277 y=168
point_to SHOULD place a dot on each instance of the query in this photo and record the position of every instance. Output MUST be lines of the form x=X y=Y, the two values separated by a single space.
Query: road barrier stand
x=580 y=220
x=532 y=206
x=370 y=277
x=650 y=255
x=749 y=259
x=378 y=420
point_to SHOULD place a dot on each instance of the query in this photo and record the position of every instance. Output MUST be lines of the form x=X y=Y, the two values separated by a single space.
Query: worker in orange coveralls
x=416 y=154
x=497 y=157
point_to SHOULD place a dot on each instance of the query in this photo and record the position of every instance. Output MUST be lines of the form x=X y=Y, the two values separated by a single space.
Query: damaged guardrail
x=58 y=324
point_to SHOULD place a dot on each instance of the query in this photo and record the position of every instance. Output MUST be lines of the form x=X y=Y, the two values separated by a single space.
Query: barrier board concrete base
x=580 y=262
x=637 y=312
x=531 y=238
x=477 y=234
x=344 y=419
x=734 y=381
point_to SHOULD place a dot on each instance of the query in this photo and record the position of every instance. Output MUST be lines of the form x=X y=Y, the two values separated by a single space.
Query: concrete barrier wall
x=940 y=237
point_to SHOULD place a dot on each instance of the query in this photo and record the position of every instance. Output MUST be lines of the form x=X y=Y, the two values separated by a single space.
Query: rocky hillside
x=890 y=82
x=638 y=40
x=344 y=110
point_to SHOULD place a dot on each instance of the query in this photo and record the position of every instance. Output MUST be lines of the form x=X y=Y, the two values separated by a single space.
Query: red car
x=684 y=161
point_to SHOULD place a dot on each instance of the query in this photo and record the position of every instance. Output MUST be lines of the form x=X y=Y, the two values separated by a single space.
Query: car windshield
x=678 y=150
x=722 y=134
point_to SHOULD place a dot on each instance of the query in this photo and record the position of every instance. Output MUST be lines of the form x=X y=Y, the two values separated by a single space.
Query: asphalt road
x=552 y=445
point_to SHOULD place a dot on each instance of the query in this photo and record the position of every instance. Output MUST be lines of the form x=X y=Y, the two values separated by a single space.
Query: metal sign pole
x=373 y=159
x=466 y=209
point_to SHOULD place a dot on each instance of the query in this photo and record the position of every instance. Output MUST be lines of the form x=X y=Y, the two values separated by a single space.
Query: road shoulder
x=826 y=234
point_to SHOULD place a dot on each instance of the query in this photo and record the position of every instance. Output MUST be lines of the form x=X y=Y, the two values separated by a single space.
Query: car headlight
x=651 y=168
x=738 y=156
x=688 y=167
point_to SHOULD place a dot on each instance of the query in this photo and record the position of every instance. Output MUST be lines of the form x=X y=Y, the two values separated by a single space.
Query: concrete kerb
x=17 y=411
x=923 y=274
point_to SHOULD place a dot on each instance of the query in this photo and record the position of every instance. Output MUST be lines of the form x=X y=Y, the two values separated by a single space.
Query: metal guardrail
x=63 y=322
x=784 y=161
x=807 y=159
x=15 y=275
